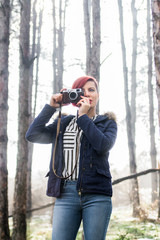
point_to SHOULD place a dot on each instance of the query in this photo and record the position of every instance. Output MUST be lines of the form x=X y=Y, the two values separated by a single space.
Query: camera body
x=72 y=95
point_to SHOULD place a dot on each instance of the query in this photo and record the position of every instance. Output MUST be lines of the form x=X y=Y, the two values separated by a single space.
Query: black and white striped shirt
x=71 y=138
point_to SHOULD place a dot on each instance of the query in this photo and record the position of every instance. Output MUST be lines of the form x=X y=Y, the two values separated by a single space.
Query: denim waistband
x=70 y=182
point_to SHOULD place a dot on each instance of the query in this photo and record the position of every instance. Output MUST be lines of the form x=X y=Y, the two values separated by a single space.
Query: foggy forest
x=44 y=47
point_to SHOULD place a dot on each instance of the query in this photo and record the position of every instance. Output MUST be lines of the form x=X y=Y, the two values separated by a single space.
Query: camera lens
x=72 y=95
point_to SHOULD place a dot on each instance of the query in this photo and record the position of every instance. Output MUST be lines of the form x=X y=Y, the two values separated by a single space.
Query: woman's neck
x=91 y=113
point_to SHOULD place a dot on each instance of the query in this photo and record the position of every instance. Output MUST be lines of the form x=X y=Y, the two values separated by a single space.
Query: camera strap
x=54 y=150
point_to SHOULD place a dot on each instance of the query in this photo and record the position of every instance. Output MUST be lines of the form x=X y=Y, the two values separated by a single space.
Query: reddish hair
x=80 y=82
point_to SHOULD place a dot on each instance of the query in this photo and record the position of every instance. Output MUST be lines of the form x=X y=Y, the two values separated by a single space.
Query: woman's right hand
x=56 y=100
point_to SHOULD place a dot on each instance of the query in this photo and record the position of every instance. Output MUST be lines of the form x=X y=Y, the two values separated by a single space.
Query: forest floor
x=122 y=227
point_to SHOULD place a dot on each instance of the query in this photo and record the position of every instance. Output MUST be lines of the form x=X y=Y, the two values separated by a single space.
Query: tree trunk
x=30 y=145
x=133 y=167
x=4 y=49
x=87 y=28
x=20 y=196
x=38 y=51
x=153 y=152
x=35 y=54
x=156 y=46
x=133 y=71
x=96 y=41
x=92 y=46
x=129 y=114
x=159 y=197
x=58 y=44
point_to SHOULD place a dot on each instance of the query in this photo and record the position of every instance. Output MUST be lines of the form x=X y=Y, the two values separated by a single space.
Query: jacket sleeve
x=101 y=141
x=38 y=131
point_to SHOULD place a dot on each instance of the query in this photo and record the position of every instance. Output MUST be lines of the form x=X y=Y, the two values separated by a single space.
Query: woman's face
x=91 y=92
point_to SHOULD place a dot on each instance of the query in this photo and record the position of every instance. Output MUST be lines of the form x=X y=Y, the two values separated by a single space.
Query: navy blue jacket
x=97 y=139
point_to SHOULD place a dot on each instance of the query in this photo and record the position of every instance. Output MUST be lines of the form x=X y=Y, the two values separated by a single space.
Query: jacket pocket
x=104 y=173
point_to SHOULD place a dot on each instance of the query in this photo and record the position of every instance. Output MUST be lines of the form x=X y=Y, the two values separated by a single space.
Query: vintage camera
x=72 y=95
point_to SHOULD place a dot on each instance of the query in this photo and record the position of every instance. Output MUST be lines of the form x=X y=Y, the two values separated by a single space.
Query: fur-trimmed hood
x=111 y=116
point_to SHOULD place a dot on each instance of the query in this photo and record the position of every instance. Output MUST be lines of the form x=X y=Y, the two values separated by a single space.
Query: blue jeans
x=70 y=209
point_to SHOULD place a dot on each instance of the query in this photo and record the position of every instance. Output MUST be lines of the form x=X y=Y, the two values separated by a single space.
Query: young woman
x=79 y=175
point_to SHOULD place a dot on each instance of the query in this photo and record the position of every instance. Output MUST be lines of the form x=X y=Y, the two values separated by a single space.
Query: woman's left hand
x=84 y=105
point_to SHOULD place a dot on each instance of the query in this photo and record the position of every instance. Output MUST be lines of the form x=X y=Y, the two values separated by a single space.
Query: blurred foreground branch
x=113 y=183
x=38 y=208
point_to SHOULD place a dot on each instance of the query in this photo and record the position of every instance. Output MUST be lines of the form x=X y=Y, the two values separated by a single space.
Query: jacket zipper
x=80 y=187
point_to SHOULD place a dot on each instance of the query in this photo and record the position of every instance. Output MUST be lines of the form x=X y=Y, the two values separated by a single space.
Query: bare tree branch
x=135 y=175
